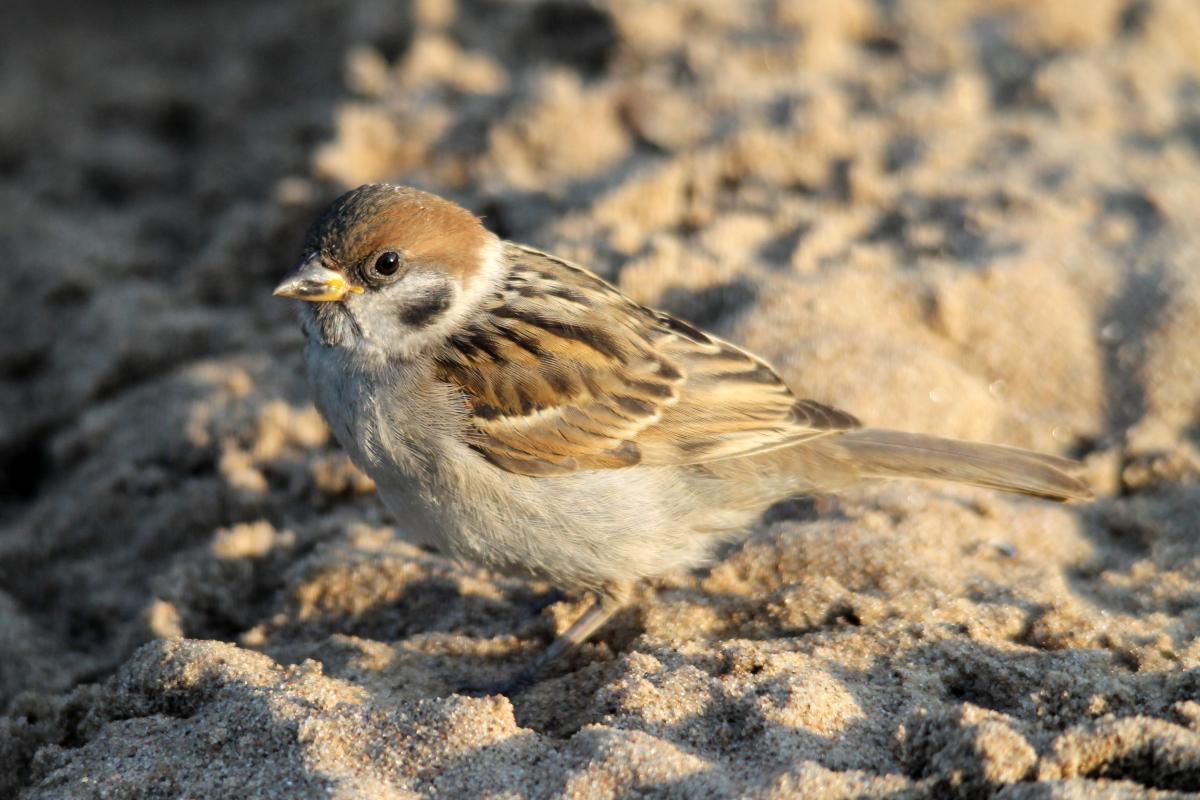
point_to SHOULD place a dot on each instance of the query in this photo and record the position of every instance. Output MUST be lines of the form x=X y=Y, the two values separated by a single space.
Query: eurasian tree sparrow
x=517 y=411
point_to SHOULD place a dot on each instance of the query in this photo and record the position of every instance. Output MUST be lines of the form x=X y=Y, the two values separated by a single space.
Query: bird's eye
x=388 y=263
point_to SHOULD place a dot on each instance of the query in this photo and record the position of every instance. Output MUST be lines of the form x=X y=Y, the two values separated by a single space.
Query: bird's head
x=392 y=268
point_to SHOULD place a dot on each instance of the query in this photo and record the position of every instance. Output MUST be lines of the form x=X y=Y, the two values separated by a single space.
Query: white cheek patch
x=434 y=306
x=427 y=298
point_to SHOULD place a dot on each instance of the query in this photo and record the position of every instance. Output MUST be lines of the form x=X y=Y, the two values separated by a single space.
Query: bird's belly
x=577 y=531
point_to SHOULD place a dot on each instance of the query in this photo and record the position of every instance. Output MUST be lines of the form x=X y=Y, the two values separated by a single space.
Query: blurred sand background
x=980 y=219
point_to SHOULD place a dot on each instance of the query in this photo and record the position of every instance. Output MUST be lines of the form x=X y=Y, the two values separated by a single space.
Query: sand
x=977 y=219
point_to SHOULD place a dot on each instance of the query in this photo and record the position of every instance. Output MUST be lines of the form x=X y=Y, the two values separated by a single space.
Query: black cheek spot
x=426 y=308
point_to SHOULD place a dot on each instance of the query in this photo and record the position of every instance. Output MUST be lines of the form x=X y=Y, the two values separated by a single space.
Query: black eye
x=388 y=263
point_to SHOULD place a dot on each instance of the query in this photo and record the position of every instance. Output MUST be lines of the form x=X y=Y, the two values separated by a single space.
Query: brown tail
x=894 y=454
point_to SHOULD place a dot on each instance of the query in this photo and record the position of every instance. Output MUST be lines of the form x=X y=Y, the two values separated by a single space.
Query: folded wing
x=563 y=373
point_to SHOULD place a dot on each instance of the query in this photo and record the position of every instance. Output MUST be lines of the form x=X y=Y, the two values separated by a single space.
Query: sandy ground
x=980 y=219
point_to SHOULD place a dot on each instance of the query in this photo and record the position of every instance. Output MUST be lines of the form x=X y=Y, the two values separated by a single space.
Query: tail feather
x=895 y=454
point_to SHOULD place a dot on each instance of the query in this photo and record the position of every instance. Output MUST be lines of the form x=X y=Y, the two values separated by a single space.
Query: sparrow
x=519 y=412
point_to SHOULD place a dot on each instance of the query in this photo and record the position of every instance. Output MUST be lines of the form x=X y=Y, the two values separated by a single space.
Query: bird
x=517 y=411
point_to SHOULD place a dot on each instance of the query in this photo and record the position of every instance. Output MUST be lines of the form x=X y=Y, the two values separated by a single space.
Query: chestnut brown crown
x=377 y=218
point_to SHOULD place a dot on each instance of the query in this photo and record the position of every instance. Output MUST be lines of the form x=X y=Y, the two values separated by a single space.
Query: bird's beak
x=314 y=282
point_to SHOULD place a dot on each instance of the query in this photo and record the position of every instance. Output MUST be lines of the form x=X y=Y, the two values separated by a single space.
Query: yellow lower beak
x=315 y=283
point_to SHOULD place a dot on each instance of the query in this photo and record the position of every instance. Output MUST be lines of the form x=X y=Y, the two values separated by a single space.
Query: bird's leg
x=606 y=603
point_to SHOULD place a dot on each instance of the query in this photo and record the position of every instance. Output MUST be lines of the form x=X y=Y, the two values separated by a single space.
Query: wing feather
x=560 y=372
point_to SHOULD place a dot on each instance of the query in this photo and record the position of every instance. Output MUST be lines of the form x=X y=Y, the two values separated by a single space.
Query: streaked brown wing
x=563 y=373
